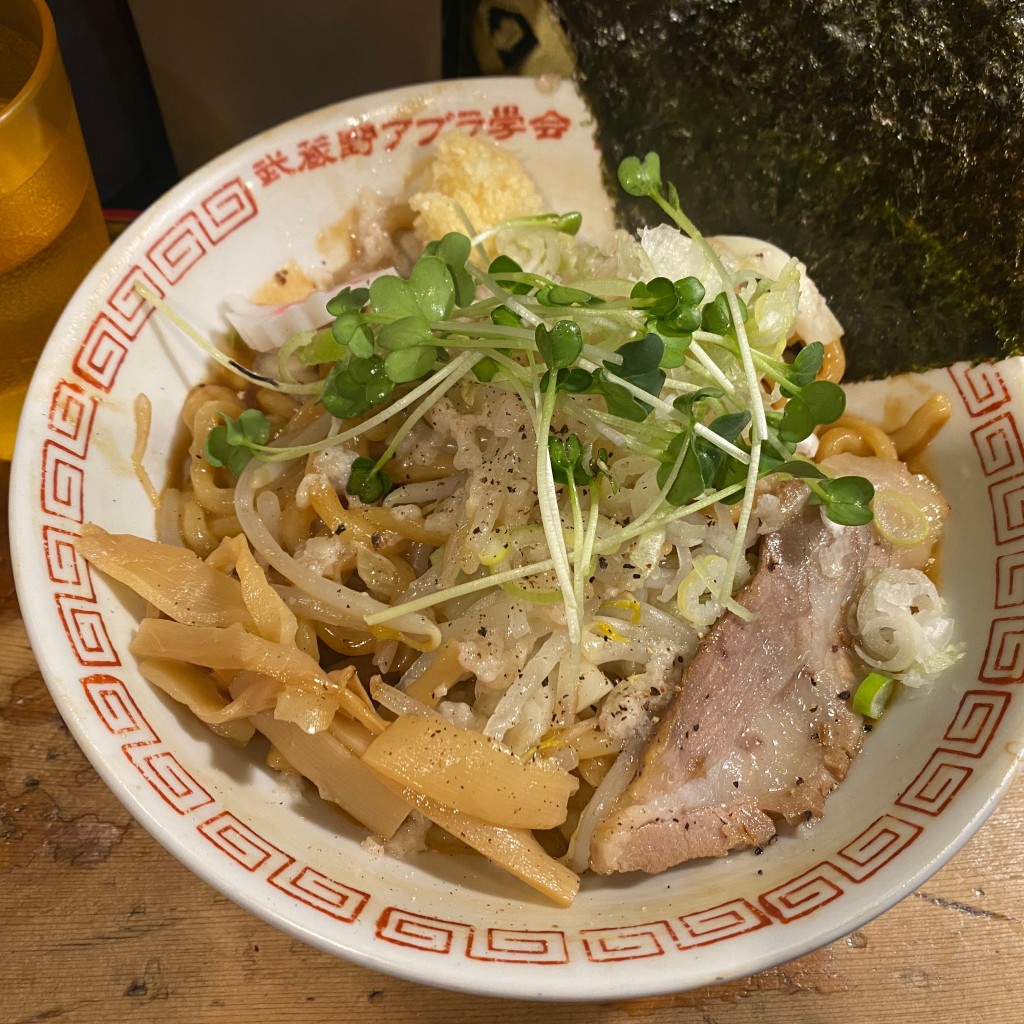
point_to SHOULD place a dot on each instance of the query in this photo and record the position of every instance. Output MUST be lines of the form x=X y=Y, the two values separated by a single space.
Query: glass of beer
x=51 y=225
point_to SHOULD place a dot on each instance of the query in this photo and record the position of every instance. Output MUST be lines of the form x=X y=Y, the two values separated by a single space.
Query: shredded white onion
x=902 y=627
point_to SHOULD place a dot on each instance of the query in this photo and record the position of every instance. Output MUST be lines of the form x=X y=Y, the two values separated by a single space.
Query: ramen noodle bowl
x=475 y=643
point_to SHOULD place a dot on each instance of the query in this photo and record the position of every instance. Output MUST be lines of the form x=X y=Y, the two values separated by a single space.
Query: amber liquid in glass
x=51 y=232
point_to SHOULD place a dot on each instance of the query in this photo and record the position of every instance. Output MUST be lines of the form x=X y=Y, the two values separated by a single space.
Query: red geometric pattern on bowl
x=936 y=784
x=701 y=928
x=179 y=249
x=655 y=938
x=976 y=720
x=316 y=890
x=70 y=417
x=242 y=844
x=87 y=630
x=226 y=209
x=981 y=387
x=116 y=709
x=1007 y=500
x=67 y=569
x=999 y=446
x=165 y=774
x=126 y=307
x=513 y=946
x=62 y=483
x=1004 y=652
x=806 y=893
x=418 y=931
x=188 y=240
x=107 y=343
x=251 y=851
x=876 y=846
x=102 y=354
x=1010 y=580
x=119 y=712
x=628 y=942
x=506 y=945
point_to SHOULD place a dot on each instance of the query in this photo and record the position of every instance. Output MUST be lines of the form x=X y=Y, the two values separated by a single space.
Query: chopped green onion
x=872 y=695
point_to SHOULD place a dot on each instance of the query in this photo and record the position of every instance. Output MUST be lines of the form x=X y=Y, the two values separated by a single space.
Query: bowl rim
x=515 y=980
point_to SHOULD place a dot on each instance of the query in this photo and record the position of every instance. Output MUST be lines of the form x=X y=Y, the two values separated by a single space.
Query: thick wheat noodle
x=272 y=516
x=876 y=440
x=841 y=441
x=207 y=511
x=440 y=675
x=406 y=575
x=353 y=606
x=208 y=492
x=306 y=639
x=833 y=363
x=856 y=436
x=402 y=659
x=345 y=641
x=383 y=431
x=273 y=403
x=833 y=360
x=441 y=466
x=222 y=397
x=225 y=525
x=286 y=483
x=306 y=606
x=323 y=498
x=195 y=530
x=925 y=422
x=168 y=518
x=294 y=525
x=363 y=524
x=143 y=422
x=371 y=520
x=393 y=575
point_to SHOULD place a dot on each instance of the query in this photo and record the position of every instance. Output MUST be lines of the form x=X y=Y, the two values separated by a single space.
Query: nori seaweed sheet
x=881 y=142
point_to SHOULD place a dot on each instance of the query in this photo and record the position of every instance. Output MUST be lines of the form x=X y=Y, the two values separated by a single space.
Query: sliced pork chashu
x=760 y=725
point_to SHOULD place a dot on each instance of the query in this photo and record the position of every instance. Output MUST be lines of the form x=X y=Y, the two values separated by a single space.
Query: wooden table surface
x=99 y=924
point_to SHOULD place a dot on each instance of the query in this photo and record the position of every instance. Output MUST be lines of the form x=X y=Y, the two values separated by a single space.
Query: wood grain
x=99 y=924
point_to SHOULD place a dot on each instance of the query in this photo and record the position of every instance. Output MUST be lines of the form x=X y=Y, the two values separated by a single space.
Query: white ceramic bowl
x=928 y=776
